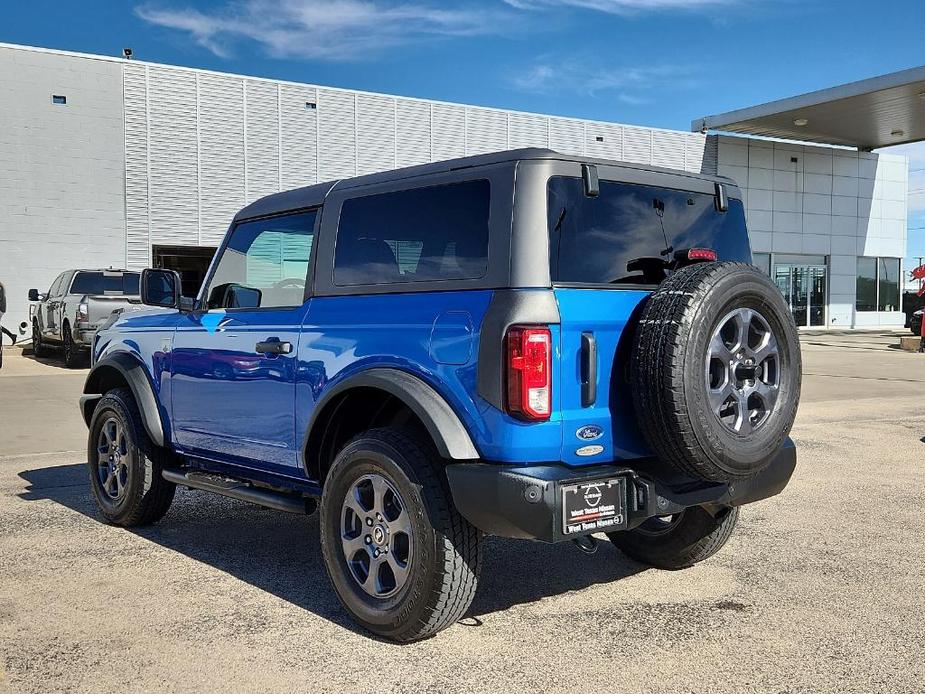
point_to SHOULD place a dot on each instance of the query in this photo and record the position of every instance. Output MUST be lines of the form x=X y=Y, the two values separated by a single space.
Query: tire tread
x=698 y=538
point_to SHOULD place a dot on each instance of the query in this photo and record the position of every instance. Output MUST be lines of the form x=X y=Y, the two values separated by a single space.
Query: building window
x=599 y=138
x=877 y=284
x=888 y=284
x=59 y=99
x=311 y=105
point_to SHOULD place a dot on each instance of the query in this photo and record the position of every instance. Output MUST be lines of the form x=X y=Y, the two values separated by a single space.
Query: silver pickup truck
x=77 y=304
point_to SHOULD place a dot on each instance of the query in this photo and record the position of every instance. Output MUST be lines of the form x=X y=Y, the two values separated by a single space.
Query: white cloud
x=333 y=30
x=632 y=85
x=619 y=6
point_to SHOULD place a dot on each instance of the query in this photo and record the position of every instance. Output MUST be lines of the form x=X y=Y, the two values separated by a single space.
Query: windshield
x=125 y=283
x=620 y=235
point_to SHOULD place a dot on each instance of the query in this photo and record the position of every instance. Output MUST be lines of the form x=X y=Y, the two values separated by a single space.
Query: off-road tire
x=446 y=554
x=695 y=536
x=667 y=373
x=147 y=494
x=72 y=355
x=38 y=344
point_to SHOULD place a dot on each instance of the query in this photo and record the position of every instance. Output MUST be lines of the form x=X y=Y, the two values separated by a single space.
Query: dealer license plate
x=595 y=505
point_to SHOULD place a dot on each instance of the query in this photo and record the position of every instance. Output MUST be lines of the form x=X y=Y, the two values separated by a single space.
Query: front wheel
x=125 y=466
x=38 y=345
x=401 y=559
x=680 y=540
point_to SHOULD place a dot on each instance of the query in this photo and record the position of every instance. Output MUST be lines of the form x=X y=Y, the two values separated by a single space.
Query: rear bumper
x=526 y=502
x=83 y=336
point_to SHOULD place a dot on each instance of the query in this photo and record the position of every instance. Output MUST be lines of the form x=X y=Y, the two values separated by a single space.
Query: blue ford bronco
x=524 y=344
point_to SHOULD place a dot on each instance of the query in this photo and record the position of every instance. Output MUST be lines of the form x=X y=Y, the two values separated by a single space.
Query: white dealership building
x=113 y=162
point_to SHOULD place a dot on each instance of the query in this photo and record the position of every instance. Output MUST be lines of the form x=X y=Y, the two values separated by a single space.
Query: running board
x=240 y=489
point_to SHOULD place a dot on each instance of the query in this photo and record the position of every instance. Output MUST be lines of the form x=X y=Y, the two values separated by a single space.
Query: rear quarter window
x=417 y=235
x=596 y=239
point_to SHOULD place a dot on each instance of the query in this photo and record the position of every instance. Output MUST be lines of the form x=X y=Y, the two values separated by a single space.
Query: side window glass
x=417 y=235
x=264 y=264
x=55 y=289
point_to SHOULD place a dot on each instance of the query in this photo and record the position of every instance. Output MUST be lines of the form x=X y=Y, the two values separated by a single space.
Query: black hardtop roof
x=314 y=195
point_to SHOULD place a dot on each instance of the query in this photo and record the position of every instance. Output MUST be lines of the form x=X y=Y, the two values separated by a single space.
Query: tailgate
x=99 y=308
x=604 y=428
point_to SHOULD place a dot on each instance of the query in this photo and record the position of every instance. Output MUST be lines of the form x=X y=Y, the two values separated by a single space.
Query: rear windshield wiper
x=560 y=219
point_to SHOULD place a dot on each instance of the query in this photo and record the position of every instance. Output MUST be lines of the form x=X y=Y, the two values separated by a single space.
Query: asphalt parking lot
x=821 y=589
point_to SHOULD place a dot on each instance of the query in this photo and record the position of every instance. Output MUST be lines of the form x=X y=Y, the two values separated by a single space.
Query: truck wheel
x=38 y=345
x=401 y=559
x=716 y=371
x=125 y=467
x=72 y=355
x=677 y=541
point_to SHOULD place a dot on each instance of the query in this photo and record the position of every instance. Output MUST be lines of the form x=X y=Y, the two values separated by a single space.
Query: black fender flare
x=135 y=375
x=441 y=421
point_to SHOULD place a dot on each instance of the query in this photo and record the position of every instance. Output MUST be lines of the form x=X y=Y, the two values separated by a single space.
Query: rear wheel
x=680 y=540
x=125 y=466
x=401 y=559
x=72 y=355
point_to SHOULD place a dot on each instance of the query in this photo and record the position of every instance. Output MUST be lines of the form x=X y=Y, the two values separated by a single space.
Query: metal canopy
x=877 y=112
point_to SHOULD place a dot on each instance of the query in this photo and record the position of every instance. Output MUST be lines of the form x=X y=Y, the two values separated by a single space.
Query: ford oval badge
x=589 y=432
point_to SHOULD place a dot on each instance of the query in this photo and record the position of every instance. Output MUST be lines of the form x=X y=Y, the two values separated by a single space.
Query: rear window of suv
x=105 y=283
x=417 y=235
x=596 y=239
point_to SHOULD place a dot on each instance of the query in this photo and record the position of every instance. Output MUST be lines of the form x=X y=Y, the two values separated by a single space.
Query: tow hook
x=586 y=544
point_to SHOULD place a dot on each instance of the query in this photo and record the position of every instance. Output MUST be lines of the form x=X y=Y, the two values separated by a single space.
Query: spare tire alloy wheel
x=743 y=370
x=715 y=371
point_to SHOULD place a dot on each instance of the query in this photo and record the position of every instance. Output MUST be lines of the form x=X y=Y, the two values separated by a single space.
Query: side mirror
x=234 y=295
x=34 y=295
x=160 y=288
x=240 y=296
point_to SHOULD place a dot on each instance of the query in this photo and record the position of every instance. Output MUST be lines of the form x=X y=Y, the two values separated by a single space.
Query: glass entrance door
x=801 y=279
x=816 y=295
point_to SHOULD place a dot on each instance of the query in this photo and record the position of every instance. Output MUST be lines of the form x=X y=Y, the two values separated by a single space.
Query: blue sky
x=650 y=62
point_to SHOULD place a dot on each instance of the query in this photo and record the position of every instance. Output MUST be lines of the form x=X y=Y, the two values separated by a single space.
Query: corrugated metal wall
x=200 y=145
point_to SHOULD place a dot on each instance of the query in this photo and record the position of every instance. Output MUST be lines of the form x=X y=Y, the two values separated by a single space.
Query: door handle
x=588 y=369
x=274 y=346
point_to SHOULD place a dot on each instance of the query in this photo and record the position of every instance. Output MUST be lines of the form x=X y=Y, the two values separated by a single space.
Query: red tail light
x=701 y=254
x=528 y=373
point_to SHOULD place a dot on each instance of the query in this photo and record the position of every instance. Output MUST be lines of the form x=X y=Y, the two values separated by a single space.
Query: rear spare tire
x=716 y=371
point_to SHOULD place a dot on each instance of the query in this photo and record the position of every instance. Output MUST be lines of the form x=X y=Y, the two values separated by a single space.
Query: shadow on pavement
x=55 y=359
x=280 y=553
